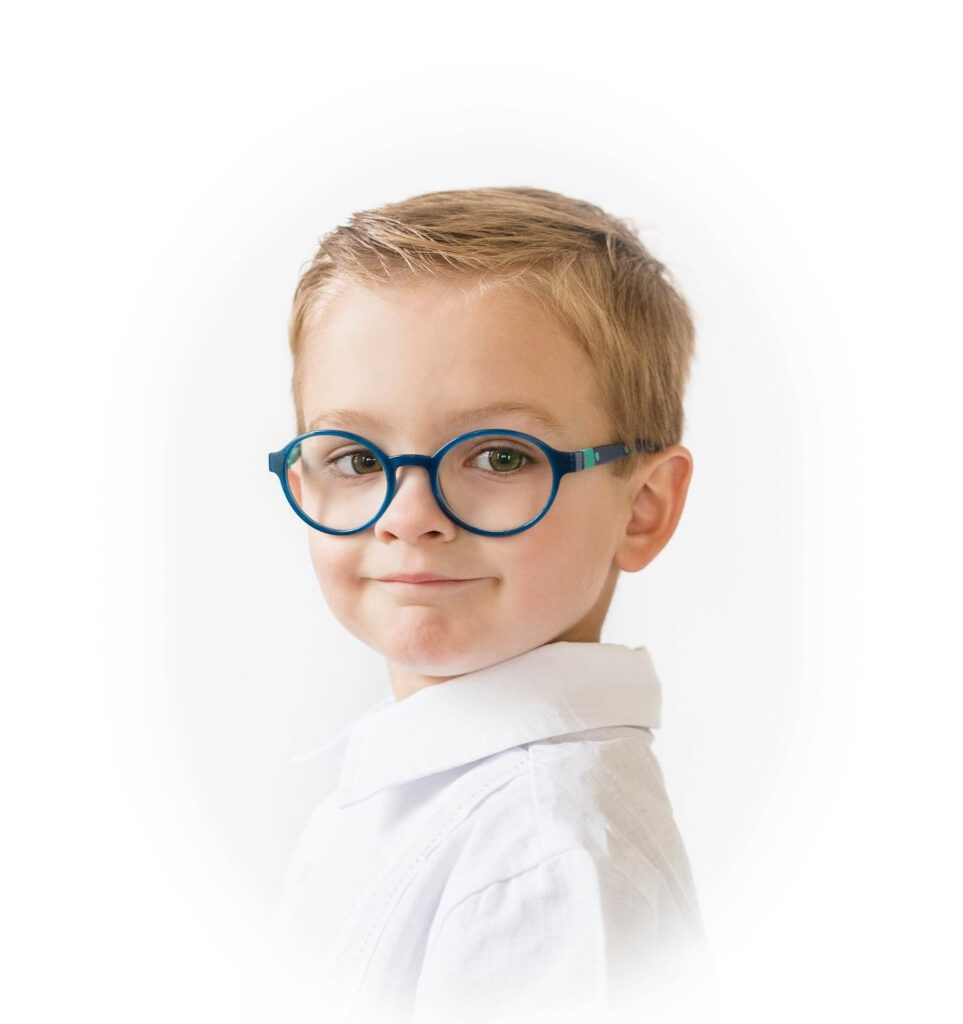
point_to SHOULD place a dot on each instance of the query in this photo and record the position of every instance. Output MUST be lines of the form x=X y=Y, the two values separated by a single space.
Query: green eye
x=500 y=461
x=504 y=458
x=362 y=463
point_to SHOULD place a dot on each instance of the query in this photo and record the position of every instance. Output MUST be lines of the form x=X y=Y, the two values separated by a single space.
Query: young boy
x=488 y=386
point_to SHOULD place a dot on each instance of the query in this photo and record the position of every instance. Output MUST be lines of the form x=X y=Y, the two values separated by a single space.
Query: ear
x=656 y=496
x=294 y=481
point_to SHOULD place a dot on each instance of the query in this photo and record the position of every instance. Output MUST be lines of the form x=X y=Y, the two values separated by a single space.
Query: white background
x=167 y=173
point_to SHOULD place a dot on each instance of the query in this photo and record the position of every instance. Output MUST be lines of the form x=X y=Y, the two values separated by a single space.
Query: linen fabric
x=500 y=846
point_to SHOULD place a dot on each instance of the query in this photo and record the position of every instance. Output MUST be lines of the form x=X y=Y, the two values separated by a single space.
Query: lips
x=418 y=577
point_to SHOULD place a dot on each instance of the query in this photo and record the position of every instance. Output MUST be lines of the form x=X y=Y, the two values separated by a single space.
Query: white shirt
x=499 y=844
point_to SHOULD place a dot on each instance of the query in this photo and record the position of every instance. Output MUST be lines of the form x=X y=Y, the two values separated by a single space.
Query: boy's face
x=415 y=356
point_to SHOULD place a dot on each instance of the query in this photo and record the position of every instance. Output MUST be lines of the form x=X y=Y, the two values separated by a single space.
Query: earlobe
x=656 y=499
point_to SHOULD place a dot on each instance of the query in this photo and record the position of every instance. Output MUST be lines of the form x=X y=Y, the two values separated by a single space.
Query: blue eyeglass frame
x=561 y=462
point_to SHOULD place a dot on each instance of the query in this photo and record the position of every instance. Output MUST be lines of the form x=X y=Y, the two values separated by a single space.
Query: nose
x=413 y=510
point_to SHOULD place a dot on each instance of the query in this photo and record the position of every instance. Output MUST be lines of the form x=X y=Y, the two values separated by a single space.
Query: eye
x=359 y=462
x=501 y=460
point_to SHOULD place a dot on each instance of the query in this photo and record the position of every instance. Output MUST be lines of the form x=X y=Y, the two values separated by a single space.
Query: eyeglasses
x=491 y=482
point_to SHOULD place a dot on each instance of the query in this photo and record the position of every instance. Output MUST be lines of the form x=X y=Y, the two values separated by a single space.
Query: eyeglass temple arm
x=585 y=458
x=276 y=464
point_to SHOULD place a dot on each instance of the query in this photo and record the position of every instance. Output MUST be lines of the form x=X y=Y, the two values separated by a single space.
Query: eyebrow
x=351 y=419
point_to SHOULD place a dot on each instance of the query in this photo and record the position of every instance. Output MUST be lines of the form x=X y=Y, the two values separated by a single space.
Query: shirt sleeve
x=570 y=935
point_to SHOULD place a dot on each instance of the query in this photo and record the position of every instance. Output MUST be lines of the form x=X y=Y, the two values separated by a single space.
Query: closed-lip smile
x=421 y=577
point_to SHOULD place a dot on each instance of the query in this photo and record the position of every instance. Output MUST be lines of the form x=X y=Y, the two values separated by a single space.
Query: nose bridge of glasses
x=399 y=461
x=411 y=460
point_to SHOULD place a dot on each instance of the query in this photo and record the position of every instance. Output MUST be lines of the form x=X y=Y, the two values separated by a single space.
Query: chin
x=428 y=651
x=425 y=653
x=442 y=664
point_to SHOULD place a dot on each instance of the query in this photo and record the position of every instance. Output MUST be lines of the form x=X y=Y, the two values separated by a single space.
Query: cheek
x=333 y=559
x=572 y=556
x=547 y=562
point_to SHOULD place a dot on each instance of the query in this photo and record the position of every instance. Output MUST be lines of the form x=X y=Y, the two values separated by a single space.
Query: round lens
x=335 y=481
x=495 y=482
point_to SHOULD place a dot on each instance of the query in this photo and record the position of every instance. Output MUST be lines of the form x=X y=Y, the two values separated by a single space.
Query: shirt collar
x=551 y=690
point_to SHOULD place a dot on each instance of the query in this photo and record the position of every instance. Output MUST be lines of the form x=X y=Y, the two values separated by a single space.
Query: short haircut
x=584 y=266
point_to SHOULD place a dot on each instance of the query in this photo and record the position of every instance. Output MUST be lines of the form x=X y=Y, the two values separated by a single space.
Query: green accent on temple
x=589 y=457
x=293 y=455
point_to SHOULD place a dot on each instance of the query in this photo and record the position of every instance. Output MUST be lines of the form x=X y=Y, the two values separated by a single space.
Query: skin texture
x=414 y=355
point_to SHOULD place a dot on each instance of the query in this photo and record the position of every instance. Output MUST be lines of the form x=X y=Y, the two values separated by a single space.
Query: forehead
x=438 y=357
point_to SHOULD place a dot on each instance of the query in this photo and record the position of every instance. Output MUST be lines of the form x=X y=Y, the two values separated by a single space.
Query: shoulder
x=592 y=799
x=604 y=790
x=590 y=784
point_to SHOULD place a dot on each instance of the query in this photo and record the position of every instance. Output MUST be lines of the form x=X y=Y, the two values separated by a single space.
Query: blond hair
x=587 y=268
